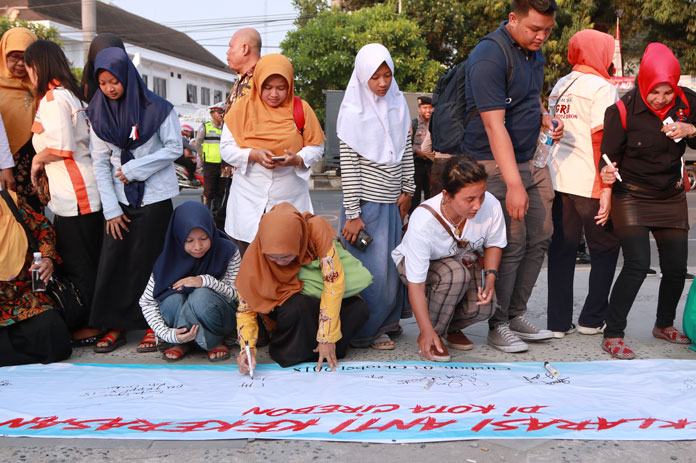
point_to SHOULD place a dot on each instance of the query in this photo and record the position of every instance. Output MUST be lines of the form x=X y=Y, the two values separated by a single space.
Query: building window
x=205 y=96
x=191 y=93
x=159 y=86
x=217 y=96
x=145 y=80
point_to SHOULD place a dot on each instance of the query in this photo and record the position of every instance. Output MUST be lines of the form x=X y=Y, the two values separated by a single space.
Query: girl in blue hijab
x=134 y=140
x=191 y=294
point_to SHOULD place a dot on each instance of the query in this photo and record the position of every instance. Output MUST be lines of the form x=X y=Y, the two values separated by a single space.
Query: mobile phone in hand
x=278 y=158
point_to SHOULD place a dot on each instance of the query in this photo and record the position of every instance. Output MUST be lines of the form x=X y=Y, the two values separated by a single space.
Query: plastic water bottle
x=544 y=147
x=37 y=284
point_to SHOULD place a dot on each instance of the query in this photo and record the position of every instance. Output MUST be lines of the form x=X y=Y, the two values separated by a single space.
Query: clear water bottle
x=37 y=284
x=544 y=147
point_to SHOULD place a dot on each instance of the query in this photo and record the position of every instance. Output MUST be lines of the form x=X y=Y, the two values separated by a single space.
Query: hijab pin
x=134 y=133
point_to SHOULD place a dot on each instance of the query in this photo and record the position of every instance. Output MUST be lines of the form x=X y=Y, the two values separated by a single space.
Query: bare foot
x=85 y=333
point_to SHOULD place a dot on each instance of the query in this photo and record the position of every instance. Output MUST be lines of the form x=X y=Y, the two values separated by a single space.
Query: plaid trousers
x=451 y=292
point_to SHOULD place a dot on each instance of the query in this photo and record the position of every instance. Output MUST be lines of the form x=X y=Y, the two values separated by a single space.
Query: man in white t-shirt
x=581 y=200
x=453 y=244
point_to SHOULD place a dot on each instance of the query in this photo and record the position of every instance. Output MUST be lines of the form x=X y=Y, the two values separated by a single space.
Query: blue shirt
x=153 y=164
x=486 y=82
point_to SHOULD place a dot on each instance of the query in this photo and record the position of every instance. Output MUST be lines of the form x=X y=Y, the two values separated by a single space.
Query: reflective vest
x=211 y=143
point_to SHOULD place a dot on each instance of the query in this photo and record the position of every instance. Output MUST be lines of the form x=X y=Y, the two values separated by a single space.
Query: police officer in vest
x=208 y=144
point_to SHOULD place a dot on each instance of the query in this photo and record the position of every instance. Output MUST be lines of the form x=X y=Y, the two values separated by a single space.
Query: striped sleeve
x=350 y=179
x=153 y=316
x=225 y=285
x=408 y=170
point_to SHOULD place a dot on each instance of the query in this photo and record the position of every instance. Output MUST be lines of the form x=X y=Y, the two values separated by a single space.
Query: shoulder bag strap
x=441 y=220
x=298 y=114
x=553 y=110
x=622 y=112
x=13 y=207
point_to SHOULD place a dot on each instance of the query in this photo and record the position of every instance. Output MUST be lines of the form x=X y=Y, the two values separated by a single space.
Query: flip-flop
x=149 y=338
x=382 y=338
x=179 y=353
x=215 y=351
x=112 y=344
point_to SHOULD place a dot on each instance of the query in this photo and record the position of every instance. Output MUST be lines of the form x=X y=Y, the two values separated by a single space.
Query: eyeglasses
x=15 y=57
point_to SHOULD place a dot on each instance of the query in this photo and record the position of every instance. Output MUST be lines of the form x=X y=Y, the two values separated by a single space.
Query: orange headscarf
x=17 y=102
x=254 y=124
x=13 y=242
x=283 y=230
x=659 y=66
x=591 y=52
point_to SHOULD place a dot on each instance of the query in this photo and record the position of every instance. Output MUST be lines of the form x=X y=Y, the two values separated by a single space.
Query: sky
x=212 y=22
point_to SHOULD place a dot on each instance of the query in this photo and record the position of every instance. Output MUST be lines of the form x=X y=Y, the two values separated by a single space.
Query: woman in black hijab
x=89 y=81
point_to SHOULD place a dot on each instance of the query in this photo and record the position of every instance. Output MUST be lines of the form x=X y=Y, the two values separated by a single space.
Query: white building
x=171 y=63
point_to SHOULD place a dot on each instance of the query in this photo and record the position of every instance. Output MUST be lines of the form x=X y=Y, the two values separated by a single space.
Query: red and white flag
x=618 y=66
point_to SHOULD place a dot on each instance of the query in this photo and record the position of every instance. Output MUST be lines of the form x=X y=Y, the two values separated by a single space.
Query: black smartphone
x=363 y=240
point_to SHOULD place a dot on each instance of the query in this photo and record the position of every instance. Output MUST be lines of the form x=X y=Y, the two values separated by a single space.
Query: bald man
x=242 y=56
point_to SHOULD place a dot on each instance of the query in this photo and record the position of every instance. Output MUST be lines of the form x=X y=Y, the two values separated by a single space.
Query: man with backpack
x=504 y=78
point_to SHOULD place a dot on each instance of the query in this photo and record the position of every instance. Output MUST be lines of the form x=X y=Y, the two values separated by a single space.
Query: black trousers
x=672 y=246
x=78 y=242
x=422 y=179
x=295 y=335
x=43 y=338
x=188 y=164
x=572 y=213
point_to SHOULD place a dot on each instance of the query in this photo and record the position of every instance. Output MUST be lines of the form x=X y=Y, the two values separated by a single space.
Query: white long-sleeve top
x=151 y=309
x=6 y=160
x=256 y=189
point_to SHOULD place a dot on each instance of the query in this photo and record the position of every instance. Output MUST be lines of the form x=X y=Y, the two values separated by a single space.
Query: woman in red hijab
x=645 y=135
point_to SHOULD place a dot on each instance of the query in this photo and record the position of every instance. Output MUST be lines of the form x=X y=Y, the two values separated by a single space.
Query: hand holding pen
x=610 y=173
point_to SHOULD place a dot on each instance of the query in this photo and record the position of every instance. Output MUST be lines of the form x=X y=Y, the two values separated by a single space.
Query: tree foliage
x=453 y=27
x=323 y=51
x=41 y=31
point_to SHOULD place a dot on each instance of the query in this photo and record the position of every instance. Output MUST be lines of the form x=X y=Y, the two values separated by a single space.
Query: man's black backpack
x=447 y=122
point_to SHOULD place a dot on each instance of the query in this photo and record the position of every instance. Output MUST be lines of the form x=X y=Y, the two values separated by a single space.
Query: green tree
x=41 y=31
x=323 y=51
x=308 y=9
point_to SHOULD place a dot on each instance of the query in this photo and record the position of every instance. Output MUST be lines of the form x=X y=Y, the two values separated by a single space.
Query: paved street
x=572 y=348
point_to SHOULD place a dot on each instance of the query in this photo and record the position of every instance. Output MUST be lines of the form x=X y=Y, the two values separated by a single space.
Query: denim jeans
x=212 y=312
x=528 y=239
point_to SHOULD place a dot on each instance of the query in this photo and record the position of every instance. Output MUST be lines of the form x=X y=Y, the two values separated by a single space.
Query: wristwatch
x=494 y=272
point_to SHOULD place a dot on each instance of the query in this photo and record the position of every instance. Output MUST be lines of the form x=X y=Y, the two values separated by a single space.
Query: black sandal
x=88 y=341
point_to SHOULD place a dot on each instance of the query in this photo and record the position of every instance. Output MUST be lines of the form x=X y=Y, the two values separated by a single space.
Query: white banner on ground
x=367 y=402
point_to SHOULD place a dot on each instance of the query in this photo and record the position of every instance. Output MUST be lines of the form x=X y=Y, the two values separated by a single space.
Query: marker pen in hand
x=616 y=172
x=248 y=354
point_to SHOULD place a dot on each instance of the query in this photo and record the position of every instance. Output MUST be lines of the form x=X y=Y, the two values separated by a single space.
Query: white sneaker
x=503 y=339
x=561 y=334
x=589 y=330
x=528 y=332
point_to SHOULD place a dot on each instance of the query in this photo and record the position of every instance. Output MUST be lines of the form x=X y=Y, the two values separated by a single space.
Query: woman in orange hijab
x=302 y=328
x=645 y=135
x=18 y=107
x=273 y=139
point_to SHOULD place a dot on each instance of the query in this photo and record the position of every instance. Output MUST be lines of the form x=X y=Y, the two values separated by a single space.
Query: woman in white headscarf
x=377 y=176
